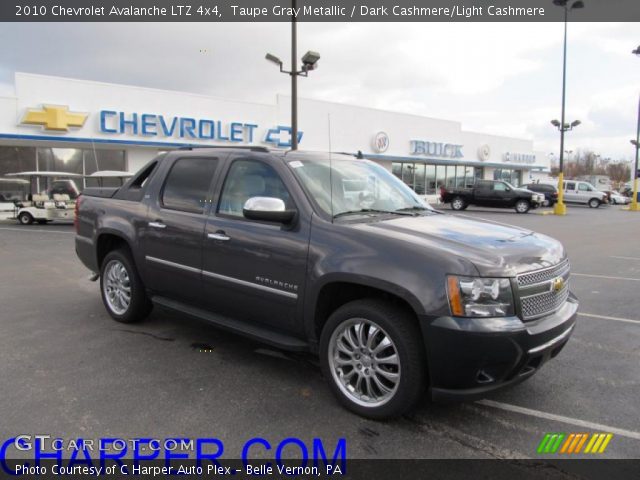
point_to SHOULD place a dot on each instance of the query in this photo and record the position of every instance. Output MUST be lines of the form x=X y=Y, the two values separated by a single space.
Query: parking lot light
x=560 y=208
x=309 y=62
x=634 y=207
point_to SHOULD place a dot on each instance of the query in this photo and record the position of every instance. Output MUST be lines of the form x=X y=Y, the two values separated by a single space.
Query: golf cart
x=12 y=190
x=55 y=202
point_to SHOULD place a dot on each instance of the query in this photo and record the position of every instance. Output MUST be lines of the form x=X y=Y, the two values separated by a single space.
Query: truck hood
x=494 y=249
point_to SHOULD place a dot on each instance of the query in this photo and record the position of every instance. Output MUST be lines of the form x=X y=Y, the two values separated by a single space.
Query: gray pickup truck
x=394 y=297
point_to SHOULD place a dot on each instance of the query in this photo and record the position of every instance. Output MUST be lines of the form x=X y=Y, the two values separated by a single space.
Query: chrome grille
x=538 y=296
x=543 y=303
x=544 y=275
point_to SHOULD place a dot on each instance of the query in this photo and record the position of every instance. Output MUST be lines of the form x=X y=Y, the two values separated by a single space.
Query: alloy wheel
x=364 y=362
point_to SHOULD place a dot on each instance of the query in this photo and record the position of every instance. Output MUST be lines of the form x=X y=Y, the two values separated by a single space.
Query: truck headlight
x=480 y=297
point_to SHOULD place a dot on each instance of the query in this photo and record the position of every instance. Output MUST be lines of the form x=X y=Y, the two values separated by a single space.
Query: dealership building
x=78 y=126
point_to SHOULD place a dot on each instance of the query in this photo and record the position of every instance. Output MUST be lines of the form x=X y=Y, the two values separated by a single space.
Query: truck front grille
x=543 y=292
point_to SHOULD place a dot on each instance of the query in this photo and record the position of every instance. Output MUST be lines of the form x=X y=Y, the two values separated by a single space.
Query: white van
x=576 y=191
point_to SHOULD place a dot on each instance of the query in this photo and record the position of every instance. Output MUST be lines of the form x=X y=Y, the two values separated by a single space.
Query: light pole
x=560 y=208
x=309 y=62
x=634 y=207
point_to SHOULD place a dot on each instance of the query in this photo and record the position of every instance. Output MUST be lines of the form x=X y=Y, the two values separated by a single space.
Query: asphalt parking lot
x=68 y=370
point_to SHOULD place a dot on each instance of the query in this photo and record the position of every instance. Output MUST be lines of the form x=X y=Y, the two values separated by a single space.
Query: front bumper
x=470 y=357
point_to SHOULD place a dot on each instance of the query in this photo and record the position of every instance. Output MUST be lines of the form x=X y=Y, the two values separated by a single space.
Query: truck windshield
x=343 y=186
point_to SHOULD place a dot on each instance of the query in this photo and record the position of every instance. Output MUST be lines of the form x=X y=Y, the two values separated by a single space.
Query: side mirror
x=267 y=209
x=507 y=189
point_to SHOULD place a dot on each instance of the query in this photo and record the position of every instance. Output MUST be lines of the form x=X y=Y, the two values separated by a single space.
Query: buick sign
x=380 y=142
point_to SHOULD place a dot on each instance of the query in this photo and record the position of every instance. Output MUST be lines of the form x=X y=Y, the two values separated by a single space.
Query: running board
x=256 y=332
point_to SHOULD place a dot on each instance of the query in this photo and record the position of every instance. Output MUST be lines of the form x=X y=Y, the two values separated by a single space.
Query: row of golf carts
x=56 y=201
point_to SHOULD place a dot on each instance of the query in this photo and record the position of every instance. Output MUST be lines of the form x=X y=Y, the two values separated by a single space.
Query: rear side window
x=187 y=185
x=570 y=186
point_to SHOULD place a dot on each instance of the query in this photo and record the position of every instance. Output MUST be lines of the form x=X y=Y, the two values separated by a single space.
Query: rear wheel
x=372 y=354
x=522 y=206
x=123 y=293
x=594 y=203
x=458 y=203
x=25 y=218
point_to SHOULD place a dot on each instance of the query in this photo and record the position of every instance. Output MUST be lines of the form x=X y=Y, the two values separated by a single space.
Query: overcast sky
x=499 y=78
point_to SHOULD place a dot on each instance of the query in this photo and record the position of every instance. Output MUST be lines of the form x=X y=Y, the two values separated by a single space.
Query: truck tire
x=522 y=206
x=25 y=218
x=458 y=203
x=122 y=290
x=594 y=203
x=372 y=354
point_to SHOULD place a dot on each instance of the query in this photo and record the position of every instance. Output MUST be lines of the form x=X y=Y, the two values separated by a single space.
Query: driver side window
x=246 y=179
x=499 y=187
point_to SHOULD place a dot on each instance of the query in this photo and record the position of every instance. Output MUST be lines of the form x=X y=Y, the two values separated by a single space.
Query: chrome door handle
x=157 y=225
x=218 y=236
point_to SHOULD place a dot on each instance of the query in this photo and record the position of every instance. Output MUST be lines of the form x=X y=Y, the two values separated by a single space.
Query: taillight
x=76 y=210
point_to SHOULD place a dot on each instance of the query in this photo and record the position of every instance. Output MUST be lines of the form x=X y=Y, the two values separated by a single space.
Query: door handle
x=157 y=225
x=219 y=235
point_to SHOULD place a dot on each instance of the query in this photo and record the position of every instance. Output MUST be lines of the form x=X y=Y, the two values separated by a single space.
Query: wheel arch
x=108 y=241
x=336 y=291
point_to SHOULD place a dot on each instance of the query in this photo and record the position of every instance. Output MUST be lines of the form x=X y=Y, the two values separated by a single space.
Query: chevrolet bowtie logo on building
x=54 y=117
x=280 y=136
x=574 y=443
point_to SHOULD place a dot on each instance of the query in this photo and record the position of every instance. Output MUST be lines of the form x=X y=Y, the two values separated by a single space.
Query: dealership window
x=508 y=175
x=16 y=159
x=427 y=179
x=68 y=160
x=419 y=180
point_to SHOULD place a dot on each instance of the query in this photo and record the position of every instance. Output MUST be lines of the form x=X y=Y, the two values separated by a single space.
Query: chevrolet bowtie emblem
x=54 y=117
x=558 y=284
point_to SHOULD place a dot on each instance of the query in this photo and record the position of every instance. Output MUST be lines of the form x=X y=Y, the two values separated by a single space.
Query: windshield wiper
x=413 y=209
x=370 y=210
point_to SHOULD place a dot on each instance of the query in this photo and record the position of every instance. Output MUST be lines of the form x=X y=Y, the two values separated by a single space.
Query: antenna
x=95 y=157
x=330 y=168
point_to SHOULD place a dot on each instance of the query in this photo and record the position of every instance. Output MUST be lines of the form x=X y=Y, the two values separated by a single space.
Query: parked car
x=616 y=198
x=583 y=193
x=550 y=192
x=392 y=295
x=492 y=193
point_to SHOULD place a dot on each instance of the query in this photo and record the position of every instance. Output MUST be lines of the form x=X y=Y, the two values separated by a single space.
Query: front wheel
x=458 y=203
x=594 y=203
x=123 y=293
x=372 y=354
x=25 y=218
x=522 y=206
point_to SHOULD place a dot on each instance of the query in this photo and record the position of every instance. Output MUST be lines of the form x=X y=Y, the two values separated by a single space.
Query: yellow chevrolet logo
x=54 y=117
x=558 y=284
